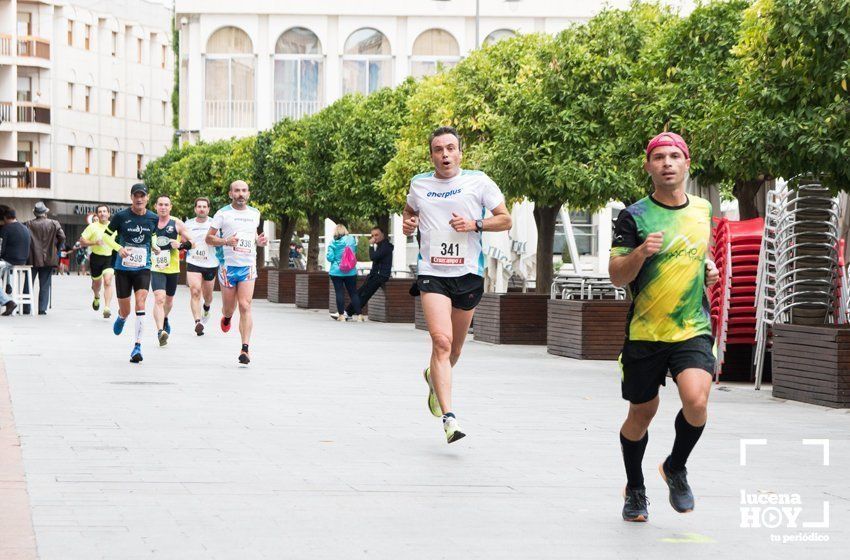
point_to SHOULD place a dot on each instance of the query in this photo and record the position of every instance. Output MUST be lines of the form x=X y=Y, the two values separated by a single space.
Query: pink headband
x=668 y=139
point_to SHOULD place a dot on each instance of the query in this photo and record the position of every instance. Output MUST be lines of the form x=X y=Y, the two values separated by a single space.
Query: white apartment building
x=245 y=65
x=85 y=101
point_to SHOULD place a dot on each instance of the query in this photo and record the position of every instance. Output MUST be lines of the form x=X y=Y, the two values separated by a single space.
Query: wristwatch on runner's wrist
x=479 y=225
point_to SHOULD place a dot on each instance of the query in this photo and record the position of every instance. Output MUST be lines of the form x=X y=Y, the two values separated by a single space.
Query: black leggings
x=350 y=283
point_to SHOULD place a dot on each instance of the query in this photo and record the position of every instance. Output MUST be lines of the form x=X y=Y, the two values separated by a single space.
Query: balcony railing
x=24 y=112
x=229 y=114
x=295 y=109
x=34 y=47
x=34 y=178
x=5 y=44
x=33 y=113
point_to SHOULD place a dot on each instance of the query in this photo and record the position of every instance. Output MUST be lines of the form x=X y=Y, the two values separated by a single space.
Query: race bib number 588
x=137 y=257
x=448 y=248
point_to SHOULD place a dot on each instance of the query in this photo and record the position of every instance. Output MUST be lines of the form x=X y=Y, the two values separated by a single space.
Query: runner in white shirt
x=448 y=207
x=234 y=229
x=201 y=264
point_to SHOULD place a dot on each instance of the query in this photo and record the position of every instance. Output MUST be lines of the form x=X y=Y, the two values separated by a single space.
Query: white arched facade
x=299 y=78
x=229 y=79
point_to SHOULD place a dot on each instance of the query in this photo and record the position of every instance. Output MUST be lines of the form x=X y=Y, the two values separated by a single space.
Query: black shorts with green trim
x=645 y=364
x=98 y=264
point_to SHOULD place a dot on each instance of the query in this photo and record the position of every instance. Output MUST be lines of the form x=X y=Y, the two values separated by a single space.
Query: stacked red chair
x=733 y=298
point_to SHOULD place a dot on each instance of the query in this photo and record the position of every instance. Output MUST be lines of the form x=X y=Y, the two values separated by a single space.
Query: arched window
x=432 y=50
x=229 y=80
x=367 y=64
x=298 y=77
x=498 y=35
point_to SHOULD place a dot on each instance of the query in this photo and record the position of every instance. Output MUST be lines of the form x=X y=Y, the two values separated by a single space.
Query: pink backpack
x=348 y=261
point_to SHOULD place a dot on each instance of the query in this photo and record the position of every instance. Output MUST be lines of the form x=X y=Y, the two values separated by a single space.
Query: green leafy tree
x=553 y=136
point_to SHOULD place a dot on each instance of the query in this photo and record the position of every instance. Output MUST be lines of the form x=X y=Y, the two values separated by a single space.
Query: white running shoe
x=452 y=429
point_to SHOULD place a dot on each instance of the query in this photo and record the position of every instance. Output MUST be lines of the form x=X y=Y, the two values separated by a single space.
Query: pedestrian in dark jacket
x=14 y=250
x=47 y=239
x=381 y=253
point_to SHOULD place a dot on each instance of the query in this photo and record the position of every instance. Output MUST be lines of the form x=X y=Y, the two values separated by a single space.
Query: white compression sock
x=140 y=324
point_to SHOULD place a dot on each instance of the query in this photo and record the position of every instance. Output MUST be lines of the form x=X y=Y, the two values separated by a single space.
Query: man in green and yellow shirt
x=100 y=261
x=660 y=250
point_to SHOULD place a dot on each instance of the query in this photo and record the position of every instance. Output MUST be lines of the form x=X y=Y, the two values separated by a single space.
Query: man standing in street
x=101 y=260
x=659 y=249
x=47 y=238
x=381 y=254
x=14 y=251
x=448 y=207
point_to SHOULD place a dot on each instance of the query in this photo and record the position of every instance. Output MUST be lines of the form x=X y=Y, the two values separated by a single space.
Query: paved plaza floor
x=324 y=448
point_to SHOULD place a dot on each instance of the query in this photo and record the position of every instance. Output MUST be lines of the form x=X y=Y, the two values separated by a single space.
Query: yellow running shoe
x=433 y=403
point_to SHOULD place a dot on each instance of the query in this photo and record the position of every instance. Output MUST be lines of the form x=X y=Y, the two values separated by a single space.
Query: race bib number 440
x=448 y=248
x=136 y=258
x=244 y=242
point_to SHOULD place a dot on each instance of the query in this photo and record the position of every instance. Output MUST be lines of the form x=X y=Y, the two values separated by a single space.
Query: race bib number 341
x=448 y=248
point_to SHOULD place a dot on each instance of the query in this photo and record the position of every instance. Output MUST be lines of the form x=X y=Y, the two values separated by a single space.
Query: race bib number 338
x=448 y=248
x=244 y=242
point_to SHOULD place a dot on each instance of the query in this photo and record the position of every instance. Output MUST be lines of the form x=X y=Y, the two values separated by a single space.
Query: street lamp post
x=477 y=23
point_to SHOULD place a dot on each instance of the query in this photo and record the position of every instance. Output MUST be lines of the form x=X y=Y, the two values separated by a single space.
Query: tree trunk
x=287 y=228
x=384 y=223
x=745 y=191
x=545 y=217
x=314 y=222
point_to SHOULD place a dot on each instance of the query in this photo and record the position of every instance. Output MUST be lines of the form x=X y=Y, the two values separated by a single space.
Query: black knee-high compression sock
x=687 y=437
x=633 y=458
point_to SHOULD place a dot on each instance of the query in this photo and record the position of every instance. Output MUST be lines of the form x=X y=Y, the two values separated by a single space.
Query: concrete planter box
x=282 y=285
x=812 y=364
x=332 y=295
x=262 y=283
x=512 y=318
x=587 y=329
x=392 y=303
x=311 y=290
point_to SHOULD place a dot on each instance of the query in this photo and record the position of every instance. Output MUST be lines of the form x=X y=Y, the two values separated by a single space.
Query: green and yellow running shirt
x=668 y=295
x=95 y=232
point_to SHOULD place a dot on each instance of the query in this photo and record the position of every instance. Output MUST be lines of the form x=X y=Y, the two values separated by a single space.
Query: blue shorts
x=230 y=276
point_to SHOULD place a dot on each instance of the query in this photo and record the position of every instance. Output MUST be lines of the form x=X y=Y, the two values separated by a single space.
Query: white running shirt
x=243 y=224
x=201 y=254
x=442 y=250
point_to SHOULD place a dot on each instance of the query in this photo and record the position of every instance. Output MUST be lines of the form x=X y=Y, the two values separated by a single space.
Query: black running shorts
x=464 y=291
x=162 y=281
x=208 y=274
x=129 y=281
x=98 y=264
x=645 y=365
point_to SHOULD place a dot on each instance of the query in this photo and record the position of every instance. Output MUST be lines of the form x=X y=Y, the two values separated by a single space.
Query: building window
x=140 y=46
x=164 y=55
x=70 y=95
x=298 y=79
x=433 y=50
x=114 y=43
x=24 y=88
x=139 y=103
x=367 y=64
x=114 y=103
x=88 y=99
x=70 y=33
x=165 y=112
x=138 y=165
x=70 y=159
x=113 y=163
x=88 y=161
x=25 y=151
x=24 y=23
x=498 y=35
x=88 y=37
x=229 y=80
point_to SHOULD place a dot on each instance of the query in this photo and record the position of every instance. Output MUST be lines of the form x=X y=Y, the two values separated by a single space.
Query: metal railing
x=34 y=47
x=5 y=111
x=229 y=114
x=295 y=109
x=5 y=44
x=34 y=178
x=33 y=113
